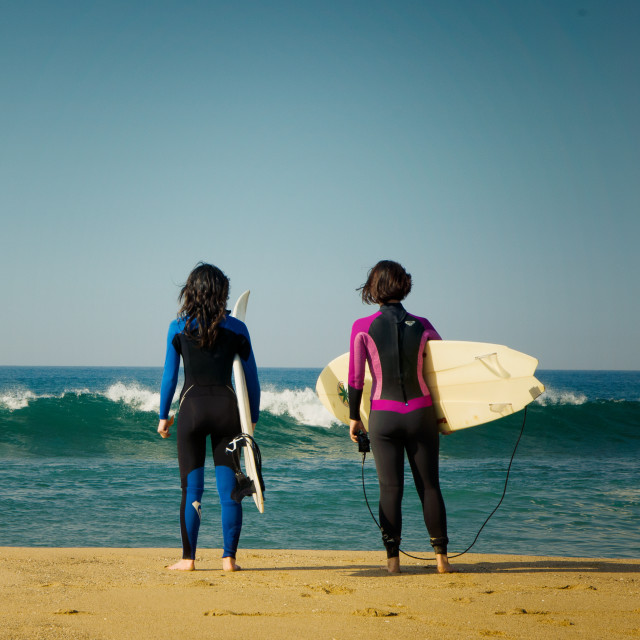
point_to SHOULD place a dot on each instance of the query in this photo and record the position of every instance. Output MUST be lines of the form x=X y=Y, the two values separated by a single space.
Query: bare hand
x=163 y=427
x=355 y=427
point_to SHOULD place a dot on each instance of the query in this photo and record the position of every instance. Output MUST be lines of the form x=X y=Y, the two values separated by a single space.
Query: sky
x=492 y=147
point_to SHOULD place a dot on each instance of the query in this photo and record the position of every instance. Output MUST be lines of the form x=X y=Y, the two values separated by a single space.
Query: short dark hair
x=386 y=281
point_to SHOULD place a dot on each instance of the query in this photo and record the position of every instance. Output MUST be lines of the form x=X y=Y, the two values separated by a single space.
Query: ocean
x=81 y=465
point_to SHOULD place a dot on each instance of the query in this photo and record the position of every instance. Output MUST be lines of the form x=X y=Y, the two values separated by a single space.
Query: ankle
x=393 y=564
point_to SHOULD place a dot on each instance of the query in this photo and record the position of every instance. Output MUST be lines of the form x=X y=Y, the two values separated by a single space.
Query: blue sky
x=492 y=147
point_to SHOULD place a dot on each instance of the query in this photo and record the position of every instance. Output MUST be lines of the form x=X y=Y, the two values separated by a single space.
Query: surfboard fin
x=490 y=360
x=536 y=391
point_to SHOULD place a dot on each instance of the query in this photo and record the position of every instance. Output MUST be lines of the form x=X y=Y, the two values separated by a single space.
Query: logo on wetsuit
x=409 y=323
x=196 y=505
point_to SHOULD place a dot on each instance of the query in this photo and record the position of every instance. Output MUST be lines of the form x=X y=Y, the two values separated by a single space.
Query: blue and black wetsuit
x=402 y=417
x=208 y=408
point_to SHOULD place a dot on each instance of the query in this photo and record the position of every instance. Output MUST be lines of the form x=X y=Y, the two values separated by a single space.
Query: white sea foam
x=555 y=397
x=20 y=398
x=135 y=396
x=16 y=399
x=302 y=405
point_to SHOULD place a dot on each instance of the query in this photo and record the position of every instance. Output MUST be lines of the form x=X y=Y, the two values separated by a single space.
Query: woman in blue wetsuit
x=208 y=339
x=393 y=341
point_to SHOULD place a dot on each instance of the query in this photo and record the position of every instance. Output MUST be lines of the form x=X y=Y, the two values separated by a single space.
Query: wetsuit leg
x=423 y=452
x=231 y=511
x=192 y=442
x=387 y=444
x=206 y=411
x=417 y=432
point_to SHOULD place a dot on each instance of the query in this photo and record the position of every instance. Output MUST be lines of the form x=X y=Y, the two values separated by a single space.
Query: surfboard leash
x=504 y=493
x=244 y=485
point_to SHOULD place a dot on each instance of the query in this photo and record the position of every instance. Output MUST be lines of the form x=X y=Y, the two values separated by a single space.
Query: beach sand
x=97 y=593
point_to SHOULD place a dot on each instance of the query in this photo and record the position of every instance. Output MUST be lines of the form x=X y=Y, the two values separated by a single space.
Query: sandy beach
x=98 y=593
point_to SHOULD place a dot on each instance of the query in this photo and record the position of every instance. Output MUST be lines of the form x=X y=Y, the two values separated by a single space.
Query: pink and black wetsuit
x=402 y=417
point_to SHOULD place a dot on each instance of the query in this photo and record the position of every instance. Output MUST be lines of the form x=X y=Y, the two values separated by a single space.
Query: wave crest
x=134 y=396
x=16 y=399
x=302 y=405
x=556 y=397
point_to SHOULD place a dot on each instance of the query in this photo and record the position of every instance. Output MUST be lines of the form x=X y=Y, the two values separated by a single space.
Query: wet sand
x=98 y=593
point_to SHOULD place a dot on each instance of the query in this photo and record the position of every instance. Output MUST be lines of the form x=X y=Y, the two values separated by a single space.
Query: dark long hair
x=386 y=281
x=204 y=303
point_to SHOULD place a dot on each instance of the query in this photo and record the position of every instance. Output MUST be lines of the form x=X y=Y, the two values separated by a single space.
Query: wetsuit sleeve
x=248 y=360
x=357 y=362
x=170 y=373
x=355 y=398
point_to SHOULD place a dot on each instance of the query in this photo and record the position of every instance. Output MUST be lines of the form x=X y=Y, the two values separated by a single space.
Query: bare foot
x=443 y=564
x=183 y=565
x=393 y=565
x=229 y=564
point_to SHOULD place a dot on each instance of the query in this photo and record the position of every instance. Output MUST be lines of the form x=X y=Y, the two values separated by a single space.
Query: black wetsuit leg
x=416 y=432
x=230 y=510
x=204 y=411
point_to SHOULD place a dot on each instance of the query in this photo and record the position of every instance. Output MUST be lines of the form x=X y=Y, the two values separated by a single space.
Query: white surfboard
x=240 y=312
x=471 y=383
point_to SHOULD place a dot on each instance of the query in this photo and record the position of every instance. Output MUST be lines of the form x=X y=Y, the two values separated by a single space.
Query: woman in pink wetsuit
x=402 y=416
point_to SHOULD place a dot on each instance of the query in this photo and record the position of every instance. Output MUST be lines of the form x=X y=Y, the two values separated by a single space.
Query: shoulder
x=361 y=325
x=176 y=326
x=423 y=321
x=420 y=319
x=236 y=326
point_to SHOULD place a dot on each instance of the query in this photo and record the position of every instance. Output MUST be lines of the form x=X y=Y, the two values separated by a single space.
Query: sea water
x=81 y=465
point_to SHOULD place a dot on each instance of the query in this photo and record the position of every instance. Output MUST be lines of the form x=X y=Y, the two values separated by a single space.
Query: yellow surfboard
x=471 y=383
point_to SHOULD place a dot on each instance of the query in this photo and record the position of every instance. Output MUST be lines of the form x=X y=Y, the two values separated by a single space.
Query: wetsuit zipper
x=401 y=362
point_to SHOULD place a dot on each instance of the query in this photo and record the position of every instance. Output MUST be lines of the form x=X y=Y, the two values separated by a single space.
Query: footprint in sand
x=214 y=612
x=560 y=623
x=577 y=586
x=201 y=583
x=374 y=613
x=521 y=612
x=66 y=612
x=330 y=589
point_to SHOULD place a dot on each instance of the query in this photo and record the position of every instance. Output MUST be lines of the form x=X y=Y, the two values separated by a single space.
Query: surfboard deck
x=471 y=383
x=240 y=383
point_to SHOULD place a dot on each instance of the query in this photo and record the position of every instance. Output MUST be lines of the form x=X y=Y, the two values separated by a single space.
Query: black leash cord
x=504 y=493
